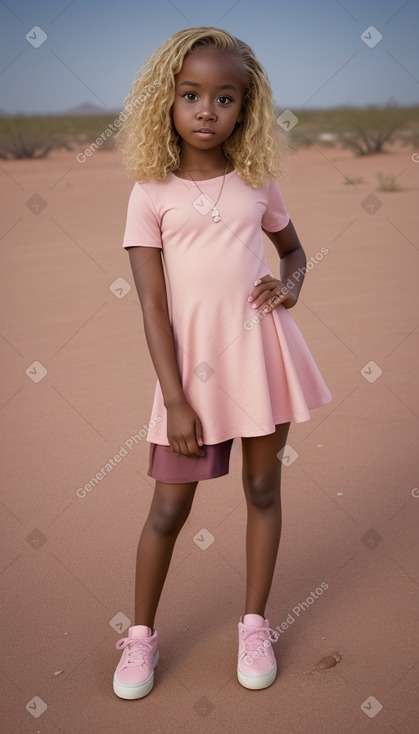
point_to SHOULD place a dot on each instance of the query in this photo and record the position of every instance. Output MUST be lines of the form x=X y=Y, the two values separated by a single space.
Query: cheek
x=176 y=115
x=179 y=112
x=232 y=120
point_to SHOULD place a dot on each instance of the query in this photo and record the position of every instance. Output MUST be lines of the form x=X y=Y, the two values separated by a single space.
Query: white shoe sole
x=132 y=692
x=256 y=683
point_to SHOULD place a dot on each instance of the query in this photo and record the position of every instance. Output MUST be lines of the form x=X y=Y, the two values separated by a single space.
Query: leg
x=262 y=486
x=169 y=509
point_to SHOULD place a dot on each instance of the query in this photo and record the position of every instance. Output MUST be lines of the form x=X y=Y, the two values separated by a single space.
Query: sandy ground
x=350 y=497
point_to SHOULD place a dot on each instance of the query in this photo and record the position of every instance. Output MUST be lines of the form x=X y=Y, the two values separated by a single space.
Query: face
x=208 y=98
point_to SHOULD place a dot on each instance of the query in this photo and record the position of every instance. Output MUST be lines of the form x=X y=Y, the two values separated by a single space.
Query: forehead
x=210 y=65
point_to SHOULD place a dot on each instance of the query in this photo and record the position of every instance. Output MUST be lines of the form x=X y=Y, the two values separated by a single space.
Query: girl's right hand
x=184 y=429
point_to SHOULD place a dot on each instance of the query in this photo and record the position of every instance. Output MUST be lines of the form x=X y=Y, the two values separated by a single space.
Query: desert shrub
x=35 y=136
x=353 y=180
x=387 y=182
x=28 y=137
x=409 y=137
x=302 y=138
x=365 y=131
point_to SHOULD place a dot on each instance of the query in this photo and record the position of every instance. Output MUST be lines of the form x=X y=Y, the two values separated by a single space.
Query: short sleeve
x=276 y=216
x=142 y=228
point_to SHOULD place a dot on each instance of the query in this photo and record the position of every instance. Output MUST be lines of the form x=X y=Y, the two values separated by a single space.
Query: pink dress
x=242 y=372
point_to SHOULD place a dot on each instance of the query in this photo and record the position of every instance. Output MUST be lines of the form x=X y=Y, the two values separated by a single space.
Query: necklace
x=216 y=216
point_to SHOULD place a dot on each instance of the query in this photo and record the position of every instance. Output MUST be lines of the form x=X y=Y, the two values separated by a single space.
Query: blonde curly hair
x=148 y=141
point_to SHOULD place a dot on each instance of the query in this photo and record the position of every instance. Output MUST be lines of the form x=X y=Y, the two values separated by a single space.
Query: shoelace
x=254 y=640
x=138 y=648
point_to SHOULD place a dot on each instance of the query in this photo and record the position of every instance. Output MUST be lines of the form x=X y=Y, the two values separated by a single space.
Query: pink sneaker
x=257 y=665
x=134 y=675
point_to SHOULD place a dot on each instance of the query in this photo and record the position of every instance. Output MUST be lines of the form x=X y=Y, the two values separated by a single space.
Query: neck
x=202 y=160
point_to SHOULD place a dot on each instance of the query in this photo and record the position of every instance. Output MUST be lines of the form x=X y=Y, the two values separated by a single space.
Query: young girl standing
x=204 y=146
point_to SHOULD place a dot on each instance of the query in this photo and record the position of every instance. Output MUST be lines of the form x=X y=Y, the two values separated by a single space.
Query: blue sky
x=311 y=49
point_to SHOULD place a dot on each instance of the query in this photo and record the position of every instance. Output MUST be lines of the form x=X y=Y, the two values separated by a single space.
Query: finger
x=259 y=281
x=185 y=448
x=199 y=434
x=267 y=280
x=269 y=300
x=194 y=449
x=263 y=279
x=266 y=292
x=263 y=289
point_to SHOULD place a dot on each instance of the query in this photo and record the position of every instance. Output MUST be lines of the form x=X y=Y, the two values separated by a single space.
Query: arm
x=184 y=429
x=270 y=292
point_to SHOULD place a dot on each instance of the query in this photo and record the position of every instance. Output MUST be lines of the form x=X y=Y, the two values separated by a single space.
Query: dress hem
x=298 y=418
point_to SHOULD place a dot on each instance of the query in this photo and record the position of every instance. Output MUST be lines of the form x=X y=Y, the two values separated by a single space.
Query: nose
x=206 y=113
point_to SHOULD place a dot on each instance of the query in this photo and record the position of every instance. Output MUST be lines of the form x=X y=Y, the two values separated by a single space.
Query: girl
x=202 y=141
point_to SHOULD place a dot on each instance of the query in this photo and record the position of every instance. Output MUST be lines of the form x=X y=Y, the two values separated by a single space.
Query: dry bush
x=366 y=130
x=28 y=137
x=387 y=182
x=35 y=136
x=353 y=180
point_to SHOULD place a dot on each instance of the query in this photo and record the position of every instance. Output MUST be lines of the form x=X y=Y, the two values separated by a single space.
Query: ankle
x=145 y=624
x=251 y=610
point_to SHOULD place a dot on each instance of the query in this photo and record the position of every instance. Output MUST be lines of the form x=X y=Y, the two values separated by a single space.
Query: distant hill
x=88 y=109
x=82 y=109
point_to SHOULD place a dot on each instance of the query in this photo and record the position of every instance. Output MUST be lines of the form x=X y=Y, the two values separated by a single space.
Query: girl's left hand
x=268 y=293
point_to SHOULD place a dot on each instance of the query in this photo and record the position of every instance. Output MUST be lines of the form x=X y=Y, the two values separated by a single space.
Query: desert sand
x=76 y=391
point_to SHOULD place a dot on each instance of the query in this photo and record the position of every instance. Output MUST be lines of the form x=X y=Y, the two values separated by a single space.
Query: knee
x=167 y=519
x=262 y=491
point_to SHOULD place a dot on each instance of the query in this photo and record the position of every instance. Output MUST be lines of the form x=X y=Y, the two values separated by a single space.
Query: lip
x=204 y=132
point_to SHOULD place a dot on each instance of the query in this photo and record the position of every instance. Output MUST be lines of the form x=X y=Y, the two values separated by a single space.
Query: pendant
x=215 y=215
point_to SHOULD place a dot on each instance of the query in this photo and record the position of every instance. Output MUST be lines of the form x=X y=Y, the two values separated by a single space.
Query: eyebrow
x=195 y=84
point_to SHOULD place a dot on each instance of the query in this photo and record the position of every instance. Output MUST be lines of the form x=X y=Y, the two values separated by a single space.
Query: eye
x=224 y=100
x=188 y=96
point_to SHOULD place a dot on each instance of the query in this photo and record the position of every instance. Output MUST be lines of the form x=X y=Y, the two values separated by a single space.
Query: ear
x=240 y=117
